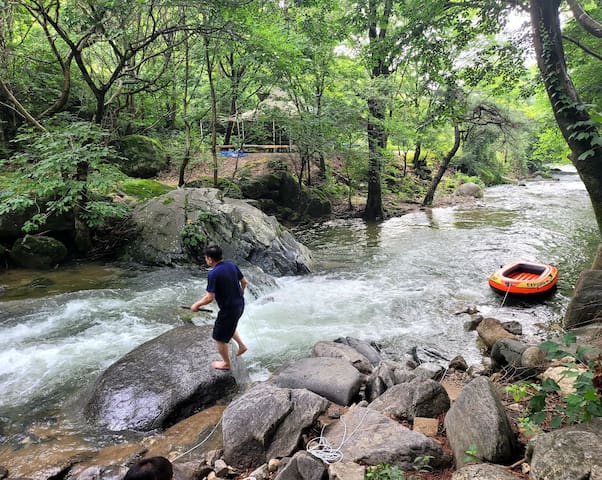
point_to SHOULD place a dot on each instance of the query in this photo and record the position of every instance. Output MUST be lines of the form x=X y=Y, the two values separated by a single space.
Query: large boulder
x=141 y=156
x=572 y=452
x=346 y=352
x=367 y=437
x=267 y=422
x=477 y=419
x=175 y=227
x=159 y=383
x=470 y=189
x=279 y=193
x=332 y=378
x=38 y=252
x=585 y=306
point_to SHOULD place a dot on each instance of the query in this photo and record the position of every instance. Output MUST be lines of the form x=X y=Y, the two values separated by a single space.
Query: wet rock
x=247 y=235
x=368 y=349
x=458 y=363
x=490 y=330
x=159 y=383
x=38 y=252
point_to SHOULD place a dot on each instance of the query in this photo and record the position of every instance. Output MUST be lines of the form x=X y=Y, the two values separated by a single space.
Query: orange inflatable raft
x=524 y=278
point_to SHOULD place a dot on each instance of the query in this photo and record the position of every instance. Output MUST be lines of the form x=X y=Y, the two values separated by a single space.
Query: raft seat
x=523 y=276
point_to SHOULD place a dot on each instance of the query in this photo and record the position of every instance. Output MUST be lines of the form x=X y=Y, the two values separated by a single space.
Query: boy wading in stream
x=226 y=285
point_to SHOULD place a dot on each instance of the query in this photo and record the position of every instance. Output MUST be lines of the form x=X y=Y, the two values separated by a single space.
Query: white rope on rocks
x=320 y=448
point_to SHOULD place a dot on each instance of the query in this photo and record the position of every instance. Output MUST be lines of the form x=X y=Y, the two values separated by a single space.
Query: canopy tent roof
x=277 y=100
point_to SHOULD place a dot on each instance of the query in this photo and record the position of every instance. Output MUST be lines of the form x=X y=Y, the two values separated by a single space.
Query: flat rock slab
x=332 y=378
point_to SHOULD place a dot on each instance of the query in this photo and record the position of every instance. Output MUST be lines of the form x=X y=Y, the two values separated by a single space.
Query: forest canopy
x=374 y=98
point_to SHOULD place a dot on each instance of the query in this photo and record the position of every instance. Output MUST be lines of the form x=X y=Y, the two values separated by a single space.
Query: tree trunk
x=570 y=113
x=213 y=111
x=376 y=145
x=428 y=200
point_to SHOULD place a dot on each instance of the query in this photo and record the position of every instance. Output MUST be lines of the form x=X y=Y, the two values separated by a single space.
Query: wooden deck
x=249 y=148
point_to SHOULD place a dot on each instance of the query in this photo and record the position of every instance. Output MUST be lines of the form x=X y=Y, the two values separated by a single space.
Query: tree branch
x=590 y=24
x=582 y=47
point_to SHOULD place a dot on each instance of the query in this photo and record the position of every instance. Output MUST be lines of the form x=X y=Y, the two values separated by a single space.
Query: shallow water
x=398 y=283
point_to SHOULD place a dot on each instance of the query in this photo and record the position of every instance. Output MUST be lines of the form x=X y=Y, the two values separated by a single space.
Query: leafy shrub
x=61 y=169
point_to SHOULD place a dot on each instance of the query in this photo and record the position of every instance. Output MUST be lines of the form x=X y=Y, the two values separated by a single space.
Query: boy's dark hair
x=214 y=252
x=153 y=468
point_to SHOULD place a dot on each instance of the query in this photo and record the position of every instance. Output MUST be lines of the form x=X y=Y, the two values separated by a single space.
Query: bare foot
x=241 y=349
x=219 y=365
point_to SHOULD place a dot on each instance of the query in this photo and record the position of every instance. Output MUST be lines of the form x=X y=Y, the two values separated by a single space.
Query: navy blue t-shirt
x=224 y=281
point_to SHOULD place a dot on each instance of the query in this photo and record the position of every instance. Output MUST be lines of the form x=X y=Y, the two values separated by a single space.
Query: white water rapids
x=398 y=283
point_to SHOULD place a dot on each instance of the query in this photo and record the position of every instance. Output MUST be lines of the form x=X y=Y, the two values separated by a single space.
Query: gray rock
x=267 y=422
x=367 y=437
x=477 y=418
x=507 y=352
x=160 y=382
x=570 y=453
x=367 y=349
x=332 y=378
x=470 y=189
x=246 y=234
x=419 y=398
x=302 y=466
x=458 y=363
x=533 y=357
x=482 y=471
x=346 y=352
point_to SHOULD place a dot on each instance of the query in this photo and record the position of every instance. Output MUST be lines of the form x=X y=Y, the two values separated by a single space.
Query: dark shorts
x=226 y=323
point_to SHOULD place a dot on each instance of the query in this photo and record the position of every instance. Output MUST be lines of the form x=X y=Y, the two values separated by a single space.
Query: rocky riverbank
x=336 y=414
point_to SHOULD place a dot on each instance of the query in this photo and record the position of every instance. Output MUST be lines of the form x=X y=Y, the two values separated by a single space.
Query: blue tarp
x=233 y=153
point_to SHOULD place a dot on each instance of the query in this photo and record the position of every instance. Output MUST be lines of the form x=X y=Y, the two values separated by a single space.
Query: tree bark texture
x=570 y=113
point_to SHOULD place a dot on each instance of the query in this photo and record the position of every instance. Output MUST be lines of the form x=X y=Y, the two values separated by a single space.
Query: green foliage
x=583 y=403
x=471 y=454
x=61 y=169
x=142 y=189
x=384 y=471
x=195 y=234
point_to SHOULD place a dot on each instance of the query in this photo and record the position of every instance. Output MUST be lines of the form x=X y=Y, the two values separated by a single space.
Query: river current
x=399 y=283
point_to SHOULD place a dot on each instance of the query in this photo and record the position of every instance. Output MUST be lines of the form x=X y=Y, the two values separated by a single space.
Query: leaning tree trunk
x=428 y=200
x=570 y=113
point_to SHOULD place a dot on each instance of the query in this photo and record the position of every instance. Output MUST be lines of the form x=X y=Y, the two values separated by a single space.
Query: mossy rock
x=143 y=189
x=228 y=187
x=144 y=157
x=38 y=252
x=317 y=204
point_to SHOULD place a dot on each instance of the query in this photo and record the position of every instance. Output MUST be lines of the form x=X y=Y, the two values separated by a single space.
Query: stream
x=399 y=283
